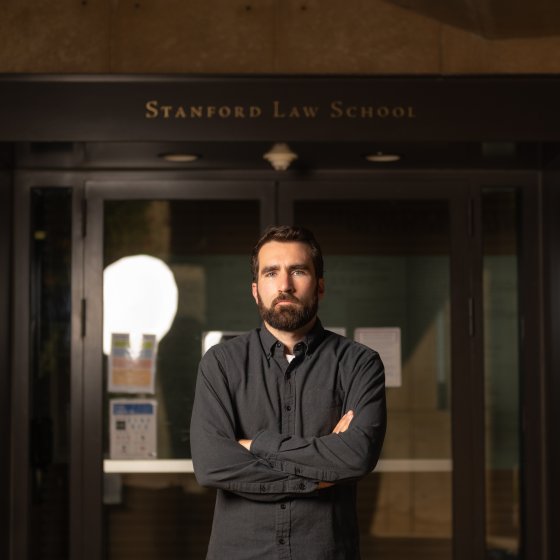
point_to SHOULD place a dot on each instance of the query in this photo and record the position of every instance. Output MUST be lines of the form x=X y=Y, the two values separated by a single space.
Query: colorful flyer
x=133 y=433
x=132 y=369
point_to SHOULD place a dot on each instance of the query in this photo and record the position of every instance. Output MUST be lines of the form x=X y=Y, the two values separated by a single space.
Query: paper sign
x=387 y=342
x=132 y=370
x=338 y=330
x=133 y=429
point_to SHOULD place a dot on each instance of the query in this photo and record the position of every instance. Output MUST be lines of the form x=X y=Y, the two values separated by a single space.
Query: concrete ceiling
x=493 y=19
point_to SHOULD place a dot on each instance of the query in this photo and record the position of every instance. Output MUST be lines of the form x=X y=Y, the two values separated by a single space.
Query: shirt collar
x=270 y=343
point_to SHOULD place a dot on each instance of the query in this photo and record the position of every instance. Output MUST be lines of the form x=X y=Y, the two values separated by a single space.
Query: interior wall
x=252 y=36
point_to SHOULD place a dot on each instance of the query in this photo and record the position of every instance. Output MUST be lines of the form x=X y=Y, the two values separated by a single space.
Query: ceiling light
x=179 y=158
x=280 y=156
x=381 y=157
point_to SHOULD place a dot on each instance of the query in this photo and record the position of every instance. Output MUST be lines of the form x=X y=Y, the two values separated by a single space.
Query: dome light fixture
x=280 y=156
x=381 y=157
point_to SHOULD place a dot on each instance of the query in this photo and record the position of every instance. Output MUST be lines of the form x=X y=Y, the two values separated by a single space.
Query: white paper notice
x=386 y=341
x=338 y=330
x=133 y=429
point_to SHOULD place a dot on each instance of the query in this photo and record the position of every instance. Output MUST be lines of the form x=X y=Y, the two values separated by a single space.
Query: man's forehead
x=281 y=250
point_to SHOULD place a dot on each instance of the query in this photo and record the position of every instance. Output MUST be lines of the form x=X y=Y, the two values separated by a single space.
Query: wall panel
x=62 y=36
x=466 y=53
x=187 y=36
x=358 y=36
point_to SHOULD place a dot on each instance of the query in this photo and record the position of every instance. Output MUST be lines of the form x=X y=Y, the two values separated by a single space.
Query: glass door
x=167 y=275
x=393 y=279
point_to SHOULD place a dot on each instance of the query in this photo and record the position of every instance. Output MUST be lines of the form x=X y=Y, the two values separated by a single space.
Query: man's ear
x=254 y=292
x=321 y=287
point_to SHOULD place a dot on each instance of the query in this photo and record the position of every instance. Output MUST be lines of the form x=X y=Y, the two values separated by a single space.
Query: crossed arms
x=273 y=466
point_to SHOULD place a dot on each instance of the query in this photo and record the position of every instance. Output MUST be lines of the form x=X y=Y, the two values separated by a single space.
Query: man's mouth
x=284 y=299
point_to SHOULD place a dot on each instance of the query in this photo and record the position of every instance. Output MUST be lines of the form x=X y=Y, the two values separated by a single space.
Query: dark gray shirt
x=268 y=503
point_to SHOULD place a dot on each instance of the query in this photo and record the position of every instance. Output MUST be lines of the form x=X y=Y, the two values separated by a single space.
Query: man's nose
x=286 y=284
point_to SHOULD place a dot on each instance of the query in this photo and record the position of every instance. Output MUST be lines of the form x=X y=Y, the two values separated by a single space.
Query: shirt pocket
x=320 y=411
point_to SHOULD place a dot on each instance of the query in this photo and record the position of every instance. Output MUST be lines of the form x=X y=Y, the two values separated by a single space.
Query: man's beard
x=289 y=318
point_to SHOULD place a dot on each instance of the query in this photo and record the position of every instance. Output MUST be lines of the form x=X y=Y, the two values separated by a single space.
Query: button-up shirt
x=269 y=504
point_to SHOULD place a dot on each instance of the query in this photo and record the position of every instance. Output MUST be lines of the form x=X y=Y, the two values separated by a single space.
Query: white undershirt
x=290 y=357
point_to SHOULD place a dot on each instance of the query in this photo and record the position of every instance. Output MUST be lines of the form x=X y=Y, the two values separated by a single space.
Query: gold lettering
x=151 y=109
x=276 y=113
x=166 y=109
x=294 y=113
x=366 y=112
x=310 y=112
x=255 y=111
x=336 y=110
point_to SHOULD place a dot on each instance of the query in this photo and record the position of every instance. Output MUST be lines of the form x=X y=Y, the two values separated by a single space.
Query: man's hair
x=286 y=234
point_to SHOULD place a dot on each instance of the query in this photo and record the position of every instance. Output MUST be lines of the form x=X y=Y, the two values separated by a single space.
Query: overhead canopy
x=493 y=19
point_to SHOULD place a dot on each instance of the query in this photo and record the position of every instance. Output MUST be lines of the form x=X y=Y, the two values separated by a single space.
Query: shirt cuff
x=265 y=444
x=289 y=486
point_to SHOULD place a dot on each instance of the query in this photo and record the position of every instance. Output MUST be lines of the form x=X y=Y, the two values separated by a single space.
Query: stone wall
x=252 y=36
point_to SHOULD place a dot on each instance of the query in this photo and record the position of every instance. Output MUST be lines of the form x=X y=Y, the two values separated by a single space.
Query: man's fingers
x=246 y=443
x=344 y=423
x=338 y=427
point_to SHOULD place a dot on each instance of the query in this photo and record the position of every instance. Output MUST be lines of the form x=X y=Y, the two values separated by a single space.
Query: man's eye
x=298 y=272
x=270 y=274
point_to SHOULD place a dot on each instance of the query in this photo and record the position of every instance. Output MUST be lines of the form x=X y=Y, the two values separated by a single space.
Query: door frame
x=464 y=192
x=86 y=468
x=468 y=528
x=98 y=191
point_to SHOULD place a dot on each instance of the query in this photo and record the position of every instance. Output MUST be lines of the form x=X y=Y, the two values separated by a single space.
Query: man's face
x=287 y=290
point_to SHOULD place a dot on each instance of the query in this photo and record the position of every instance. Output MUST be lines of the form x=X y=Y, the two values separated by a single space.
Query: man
x=287 y=418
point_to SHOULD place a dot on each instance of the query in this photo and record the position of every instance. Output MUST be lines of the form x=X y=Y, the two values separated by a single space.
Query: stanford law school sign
x=182 y=108
x=277 y=110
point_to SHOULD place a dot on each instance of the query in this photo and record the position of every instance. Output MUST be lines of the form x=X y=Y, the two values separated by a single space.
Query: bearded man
x=287 y=418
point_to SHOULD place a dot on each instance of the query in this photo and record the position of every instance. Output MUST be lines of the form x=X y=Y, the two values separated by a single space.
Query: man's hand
x=246 y=443
x=344 y=423
x=342 y=426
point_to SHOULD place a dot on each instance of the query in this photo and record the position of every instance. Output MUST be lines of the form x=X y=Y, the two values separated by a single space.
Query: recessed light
x=381 y=157
x=179 y=157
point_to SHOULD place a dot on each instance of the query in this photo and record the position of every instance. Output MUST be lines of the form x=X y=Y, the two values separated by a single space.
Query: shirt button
x=288 y=408
x=283 y=506
x=278 y=344
x=298 y=470
x=281 y=541
x=263 y=488
x=302 y=486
